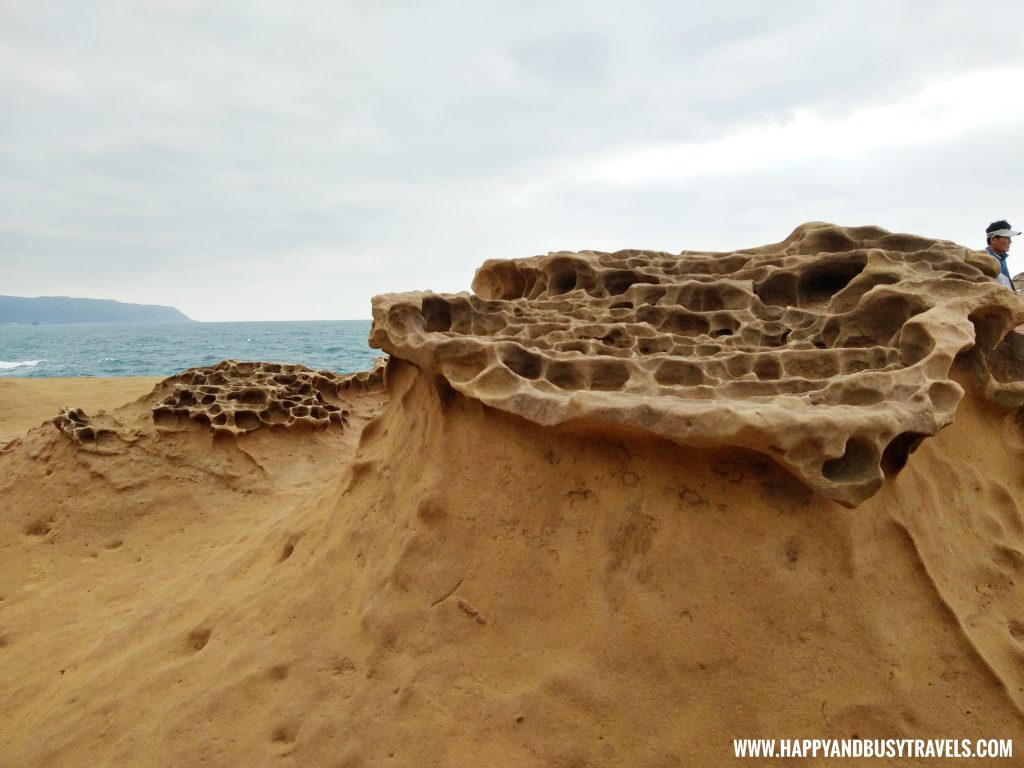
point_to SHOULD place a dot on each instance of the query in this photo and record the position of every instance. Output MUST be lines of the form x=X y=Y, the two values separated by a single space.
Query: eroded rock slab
x=240 y=397
x=829 y=352
x=99 y=434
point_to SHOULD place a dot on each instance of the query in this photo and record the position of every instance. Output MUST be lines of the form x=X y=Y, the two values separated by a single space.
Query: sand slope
x=471 y=588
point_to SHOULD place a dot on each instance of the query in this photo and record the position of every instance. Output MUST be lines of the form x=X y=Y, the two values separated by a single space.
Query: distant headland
x=65 y=309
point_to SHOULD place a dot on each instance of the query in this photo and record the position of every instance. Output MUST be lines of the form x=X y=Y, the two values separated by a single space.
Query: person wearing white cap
x=997 y=235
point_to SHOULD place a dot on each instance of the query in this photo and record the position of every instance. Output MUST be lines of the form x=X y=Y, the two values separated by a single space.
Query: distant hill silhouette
x=64 y=309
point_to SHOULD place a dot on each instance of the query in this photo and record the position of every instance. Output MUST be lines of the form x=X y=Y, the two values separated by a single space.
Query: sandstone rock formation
x=444 y=583
x=830 y=352
x=99 y=434
x=240 y=397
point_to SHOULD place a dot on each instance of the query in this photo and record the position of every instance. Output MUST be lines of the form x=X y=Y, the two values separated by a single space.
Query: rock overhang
x=830 y=352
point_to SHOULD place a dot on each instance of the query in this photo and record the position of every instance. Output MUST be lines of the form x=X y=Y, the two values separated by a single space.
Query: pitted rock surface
x=240 y=397
x=830 y=351
x=98 y=434
x=365 y=381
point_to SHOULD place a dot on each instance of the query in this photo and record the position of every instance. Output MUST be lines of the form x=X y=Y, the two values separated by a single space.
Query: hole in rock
x=107 y=438
x=896 y=453
x=250 y=396
x=165 y=417
x=700 y=297
x=502 y=280
x=877 y=323
x=446 y=394
x=523 y=362
x=618 y=283
x=767 y=368
x=915 y=344
x=652 y=346
x=608 y=376
x=288 y=548
x=1006 y=361
x=858 y=463
x=680 y=373
x=565 y=375
x=944 y=395
x=812 y=365
x=247 y=420
x=561 y=279
x=820 y=283
x=198 y=638
x=778 y=290
x=775 y=340
x=618 y=338
x=437 y=314
x=685 y=324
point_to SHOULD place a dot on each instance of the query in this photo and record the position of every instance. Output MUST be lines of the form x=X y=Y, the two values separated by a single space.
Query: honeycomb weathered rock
x=365 y=381
x=99 y=434
x=240 y=397
x=830 y=351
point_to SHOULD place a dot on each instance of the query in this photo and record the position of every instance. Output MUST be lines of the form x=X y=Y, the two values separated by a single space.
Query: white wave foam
x=5 y=365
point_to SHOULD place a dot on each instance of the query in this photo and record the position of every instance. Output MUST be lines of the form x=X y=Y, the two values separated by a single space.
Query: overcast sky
x=258 y=160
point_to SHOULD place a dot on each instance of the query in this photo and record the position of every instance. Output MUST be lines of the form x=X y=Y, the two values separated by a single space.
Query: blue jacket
x=1004 y=271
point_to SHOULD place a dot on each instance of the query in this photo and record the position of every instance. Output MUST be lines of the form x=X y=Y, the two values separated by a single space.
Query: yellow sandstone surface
x=495 y=557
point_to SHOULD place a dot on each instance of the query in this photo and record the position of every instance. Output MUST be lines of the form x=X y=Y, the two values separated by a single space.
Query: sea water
x=163 y=349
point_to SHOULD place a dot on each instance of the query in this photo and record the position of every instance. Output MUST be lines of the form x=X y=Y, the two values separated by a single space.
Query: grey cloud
x=223 y=139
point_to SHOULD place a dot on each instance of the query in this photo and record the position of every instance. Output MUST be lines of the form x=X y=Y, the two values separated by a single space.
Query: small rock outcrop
x=240 y=397
x=97 y=434
x=829 y=352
